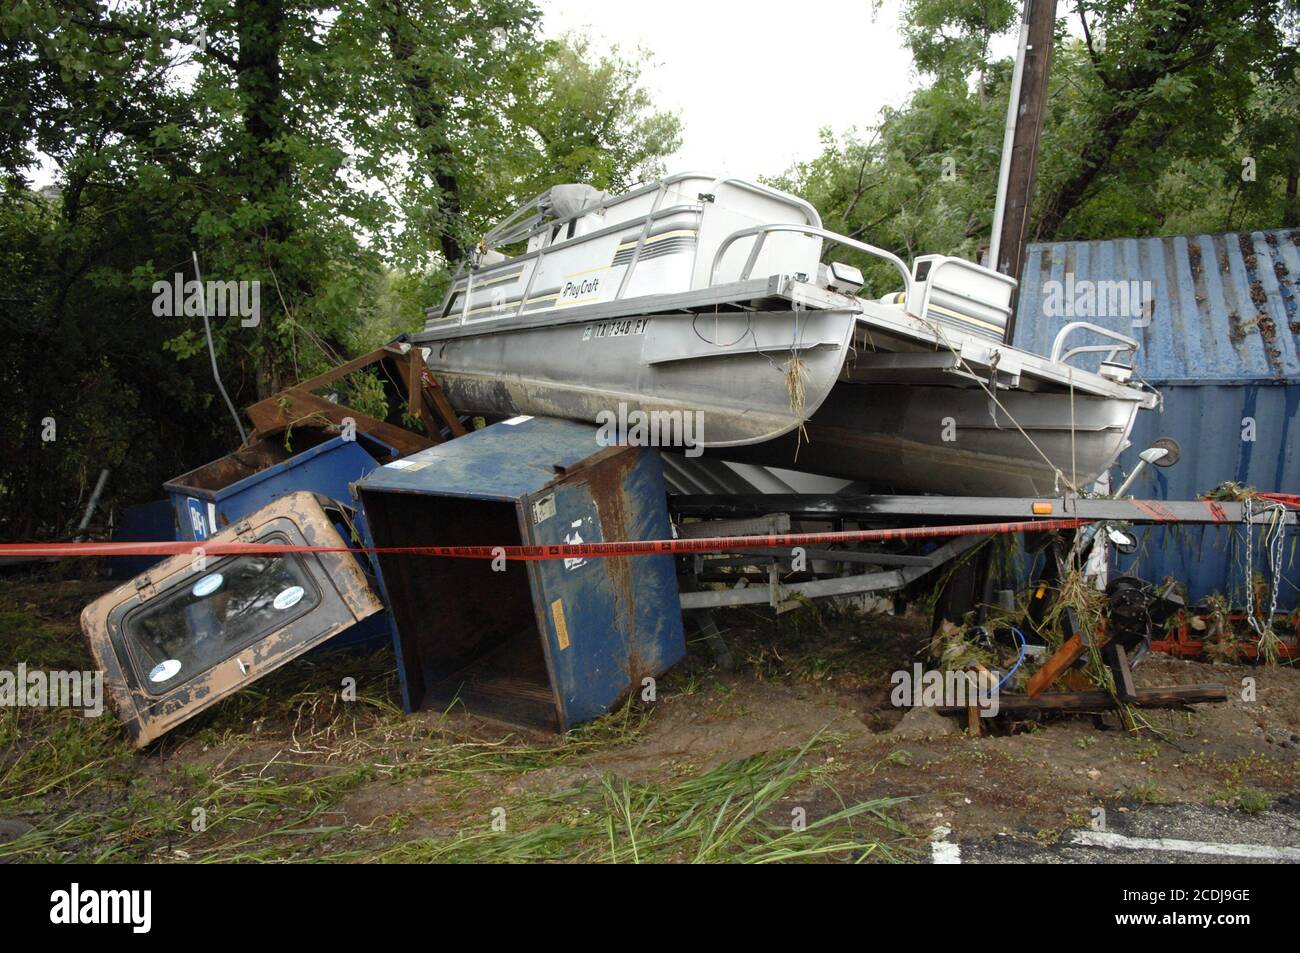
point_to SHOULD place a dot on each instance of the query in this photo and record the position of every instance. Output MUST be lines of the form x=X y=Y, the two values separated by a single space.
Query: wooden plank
x=293 y=408
x=408 y=366
x=1172 y=697
x=343 y=370
x=1070 y=652
x=437 y=397
x=1123 y=675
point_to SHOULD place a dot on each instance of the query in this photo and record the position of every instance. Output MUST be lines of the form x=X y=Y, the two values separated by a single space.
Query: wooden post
x=1030 y=114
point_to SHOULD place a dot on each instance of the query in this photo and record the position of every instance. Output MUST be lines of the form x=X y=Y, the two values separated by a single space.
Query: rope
x=939 y=334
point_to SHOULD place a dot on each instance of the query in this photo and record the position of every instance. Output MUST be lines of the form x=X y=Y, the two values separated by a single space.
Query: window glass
x=215 y=614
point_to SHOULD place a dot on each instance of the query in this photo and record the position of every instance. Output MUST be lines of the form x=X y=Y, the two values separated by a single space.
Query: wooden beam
x=434 y=393
x=1123 y=675
x=408 y=366
x=1172 y=697
x=297 y=408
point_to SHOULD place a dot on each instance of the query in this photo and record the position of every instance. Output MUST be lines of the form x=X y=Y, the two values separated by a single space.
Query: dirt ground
x=715 y=769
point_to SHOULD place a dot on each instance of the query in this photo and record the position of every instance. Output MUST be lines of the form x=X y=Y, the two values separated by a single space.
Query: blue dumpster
x=208 y=499
x=142 y=522
x=212 y=497
x=547 y=644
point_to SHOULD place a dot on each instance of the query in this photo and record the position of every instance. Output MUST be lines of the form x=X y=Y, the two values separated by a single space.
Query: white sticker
x=208 y=585
x=288 y=598
x=163 y=671
x=574 y=539
x=515 y=421
x=543 y=509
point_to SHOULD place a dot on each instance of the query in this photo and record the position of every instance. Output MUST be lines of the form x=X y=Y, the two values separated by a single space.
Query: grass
x=281 y=810
x=1254 y=801
x=270 y=774
x=1148 y=792
x=743 y=811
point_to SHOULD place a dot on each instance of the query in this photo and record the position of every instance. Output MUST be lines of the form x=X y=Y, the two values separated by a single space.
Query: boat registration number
x=615 y=329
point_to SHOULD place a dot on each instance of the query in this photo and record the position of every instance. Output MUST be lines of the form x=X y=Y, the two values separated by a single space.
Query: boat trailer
x=760 y=575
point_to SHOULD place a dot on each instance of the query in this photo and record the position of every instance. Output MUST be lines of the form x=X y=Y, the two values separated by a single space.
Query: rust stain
x=604 y=474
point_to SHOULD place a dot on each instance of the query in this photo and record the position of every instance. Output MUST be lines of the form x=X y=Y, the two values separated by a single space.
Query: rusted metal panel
x=1222 y=308
x=546 y=643
x=1221 y=340
x=191 y=631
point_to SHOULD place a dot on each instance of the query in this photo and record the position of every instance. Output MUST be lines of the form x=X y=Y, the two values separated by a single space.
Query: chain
x=1273 y=549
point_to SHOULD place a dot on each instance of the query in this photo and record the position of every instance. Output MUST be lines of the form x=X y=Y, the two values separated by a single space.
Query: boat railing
x=760 y=232
x=1122 y=343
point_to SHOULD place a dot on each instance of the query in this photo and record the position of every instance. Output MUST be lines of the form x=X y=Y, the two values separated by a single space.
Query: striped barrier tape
x=652 y=547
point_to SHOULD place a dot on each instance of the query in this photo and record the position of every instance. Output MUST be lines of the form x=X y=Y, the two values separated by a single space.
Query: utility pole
x=1026 y=112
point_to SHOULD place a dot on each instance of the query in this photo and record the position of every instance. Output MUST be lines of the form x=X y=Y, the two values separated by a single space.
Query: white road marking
x=942 y=852
x=1120 y=841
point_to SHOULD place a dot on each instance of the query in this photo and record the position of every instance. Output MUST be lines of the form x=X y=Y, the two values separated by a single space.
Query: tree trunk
x=1291 y=208
x=266 y=170
x=429 y=115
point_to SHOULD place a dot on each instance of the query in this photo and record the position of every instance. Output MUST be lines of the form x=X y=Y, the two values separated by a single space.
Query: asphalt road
x=1148 y=834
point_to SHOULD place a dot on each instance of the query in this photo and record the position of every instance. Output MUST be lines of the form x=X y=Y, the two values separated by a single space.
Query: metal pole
x=212 y=351
x=94 y=501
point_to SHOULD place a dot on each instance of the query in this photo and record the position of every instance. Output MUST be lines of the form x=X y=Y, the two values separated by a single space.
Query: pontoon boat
x=712 y=295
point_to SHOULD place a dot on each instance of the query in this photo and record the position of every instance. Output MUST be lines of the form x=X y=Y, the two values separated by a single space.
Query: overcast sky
x=755 y=81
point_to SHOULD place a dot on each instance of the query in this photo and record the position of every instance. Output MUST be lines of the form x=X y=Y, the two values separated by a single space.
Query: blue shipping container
x=1220 y=339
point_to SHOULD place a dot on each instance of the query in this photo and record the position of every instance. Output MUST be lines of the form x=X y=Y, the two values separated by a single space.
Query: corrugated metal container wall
x=1221 y=344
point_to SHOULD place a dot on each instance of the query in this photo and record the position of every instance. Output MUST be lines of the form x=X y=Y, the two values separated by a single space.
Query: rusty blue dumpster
x=546 y=644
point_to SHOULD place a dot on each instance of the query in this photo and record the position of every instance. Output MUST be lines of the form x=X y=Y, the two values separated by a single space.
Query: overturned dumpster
x=190 y=632
x=545 y=643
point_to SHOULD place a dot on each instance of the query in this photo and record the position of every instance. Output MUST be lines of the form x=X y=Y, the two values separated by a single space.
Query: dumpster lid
x=503 y=461
x=193 y=630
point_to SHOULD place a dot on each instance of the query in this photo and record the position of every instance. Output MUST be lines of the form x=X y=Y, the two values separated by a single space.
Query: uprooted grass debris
x=288 y=770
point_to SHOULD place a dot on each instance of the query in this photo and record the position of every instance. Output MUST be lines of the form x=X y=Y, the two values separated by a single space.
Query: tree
x=1155 y=110
x=334 y=152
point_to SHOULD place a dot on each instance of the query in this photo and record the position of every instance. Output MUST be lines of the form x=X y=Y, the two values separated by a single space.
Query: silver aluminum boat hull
x=731 y=368
x=938 y=439
x=884 y=402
